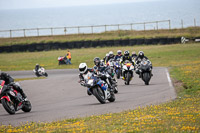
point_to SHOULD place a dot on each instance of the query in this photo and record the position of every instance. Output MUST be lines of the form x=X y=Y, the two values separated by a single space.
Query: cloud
x=20 y=4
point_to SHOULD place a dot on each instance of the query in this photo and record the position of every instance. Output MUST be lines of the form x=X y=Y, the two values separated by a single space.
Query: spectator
x=69 y=57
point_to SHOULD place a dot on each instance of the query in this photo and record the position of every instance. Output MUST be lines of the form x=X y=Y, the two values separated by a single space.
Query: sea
x=181 y=13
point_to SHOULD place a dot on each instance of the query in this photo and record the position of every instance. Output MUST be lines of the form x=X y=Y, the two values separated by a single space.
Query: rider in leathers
x=99 y=68
x=138 y=60
x=10 y=81
x=84 y=70
x=126 y=57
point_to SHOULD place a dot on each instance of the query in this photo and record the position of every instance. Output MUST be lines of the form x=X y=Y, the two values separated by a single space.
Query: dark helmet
x=119 y=52
x=126 y=53
x=97 y=61
x=141 y=54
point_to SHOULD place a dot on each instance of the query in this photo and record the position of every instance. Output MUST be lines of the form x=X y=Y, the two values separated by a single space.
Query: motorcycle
x=41 y=72
x=117 y=68
x=62 y=60
x=8 y=99
x=98 y=88
x=127 y=71
x=145 y=69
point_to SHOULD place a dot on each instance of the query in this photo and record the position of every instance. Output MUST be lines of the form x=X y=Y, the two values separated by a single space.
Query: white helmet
x=111 y=53
x=83 y=68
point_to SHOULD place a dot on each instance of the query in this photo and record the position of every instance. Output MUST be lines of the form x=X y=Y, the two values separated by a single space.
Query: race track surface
x=60 y=96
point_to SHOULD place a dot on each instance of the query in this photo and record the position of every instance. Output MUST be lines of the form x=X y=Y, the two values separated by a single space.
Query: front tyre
x=128 y=78
x=99 y=94
x=46 y=74
x=146 y=78
x=27 y=106
x=118 y=74
x=112 y=98
x=8 y=106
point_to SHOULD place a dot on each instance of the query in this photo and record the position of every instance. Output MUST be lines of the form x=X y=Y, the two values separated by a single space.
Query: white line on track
x=173 y=93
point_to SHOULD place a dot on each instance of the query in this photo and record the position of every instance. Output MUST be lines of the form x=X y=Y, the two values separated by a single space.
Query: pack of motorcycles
x=95 y=85
x=100 y=88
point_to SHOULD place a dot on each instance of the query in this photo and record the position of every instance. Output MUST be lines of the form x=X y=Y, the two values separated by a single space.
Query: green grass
x=22 y=79
x=160 y=55
x=122 y=34
x=180 y=115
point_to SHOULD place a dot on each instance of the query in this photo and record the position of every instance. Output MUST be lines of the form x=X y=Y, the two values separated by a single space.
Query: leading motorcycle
x=145 y=69
x=98 y=88
x=8 y=97
x=127 y=71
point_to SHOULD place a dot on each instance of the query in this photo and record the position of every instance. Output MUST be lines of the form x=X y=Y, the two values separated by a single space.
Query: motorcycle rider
x=105 y=58
x=37 y=67
x=134 y=55
x=138 y=60
x=10 y=81
x=119 y=55
x=99 y=68
x=111 y=56
x=126 y=57
x=84 y=70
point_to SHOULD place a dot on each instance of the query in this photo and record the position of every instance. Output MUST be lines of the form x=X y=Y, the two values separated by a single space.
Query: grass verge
x=22 y=79
x=180 y=115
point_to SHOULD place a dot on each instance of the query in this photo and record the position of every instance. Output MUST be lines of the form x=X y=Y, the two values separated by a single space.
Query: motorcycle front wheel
x=99 y=94
x=8 y=106
x=146 y=78
x=112 y=98
x=27 y=106
x=128 y=78
x=118 y=74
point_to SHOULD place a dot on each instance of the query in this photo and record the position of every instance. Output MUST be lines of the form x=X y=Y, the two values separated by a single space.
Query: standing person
x=69 y=57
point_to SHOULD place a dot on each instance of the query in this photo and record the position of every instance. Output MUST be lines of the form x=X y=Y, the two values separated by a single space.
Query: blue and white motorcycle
x=98 y=88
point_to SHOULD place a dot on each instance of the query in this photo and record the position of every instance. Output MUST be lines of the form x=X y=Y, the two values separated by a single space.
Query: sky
x=23 y=4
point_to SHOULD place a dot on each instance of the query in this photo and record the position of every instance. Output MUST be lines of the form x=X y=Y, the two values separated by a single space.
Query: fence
x=155 y=25
x=84 y=29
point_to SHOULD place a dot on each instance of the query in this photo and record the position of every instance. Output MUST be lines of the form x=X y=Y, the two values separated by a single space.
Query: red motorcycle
x=8 y=97
x=62 y=60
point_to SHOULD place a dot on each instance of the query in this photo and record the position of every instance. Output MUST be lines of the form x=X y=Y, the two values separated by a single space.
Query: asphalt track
x=60 y=96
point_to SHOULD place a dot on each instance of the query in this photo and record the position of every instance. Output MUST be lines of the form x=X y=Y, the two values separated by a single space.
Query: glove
x=83 y=84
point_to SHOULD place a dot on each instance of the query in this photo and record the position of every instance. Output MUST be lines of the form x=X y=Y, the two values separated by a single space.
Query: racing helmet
x=141 y=54
x=97 y=61
x=83 y=68
x=111 y=53
x=119 y=52
x=126 y=53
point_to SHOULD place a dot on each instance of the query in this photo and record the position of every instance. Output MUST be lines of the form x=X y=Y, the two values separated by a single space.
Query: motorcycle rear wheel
x=8 y=106
x=99 y=94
